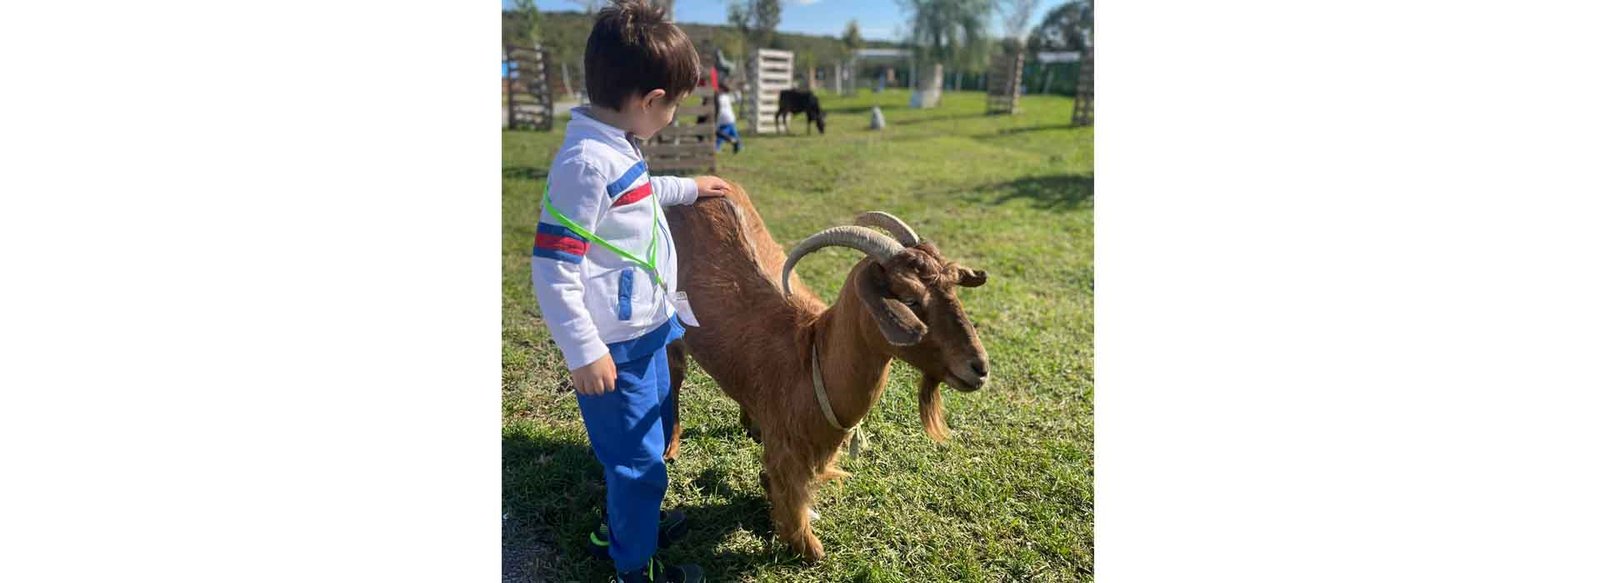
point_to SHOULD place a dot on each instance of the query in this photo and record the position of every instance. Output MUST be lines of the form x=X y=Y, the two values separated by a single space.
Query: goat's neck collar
x=822 y=392
x=858 y=372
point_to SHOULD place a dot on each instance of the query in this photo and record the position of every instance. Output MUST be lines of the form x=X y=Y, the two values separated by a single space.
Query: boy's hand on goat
x=711 y=186
x=596 y=378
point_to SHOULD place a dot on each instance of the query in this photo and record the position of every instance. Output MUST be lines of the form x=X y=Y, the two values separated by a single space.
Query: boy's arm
x=687 y=190
x=579 y=192
x=671 y=190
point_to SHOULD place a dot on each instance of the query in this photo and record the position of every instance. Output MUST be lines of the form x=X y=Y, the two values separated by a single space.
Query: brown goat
x=756 y=341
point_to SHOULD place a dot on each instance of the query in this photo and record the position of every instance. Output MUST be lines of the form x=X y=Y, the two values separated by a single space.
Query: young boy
x=726 y=132
x=605 y=273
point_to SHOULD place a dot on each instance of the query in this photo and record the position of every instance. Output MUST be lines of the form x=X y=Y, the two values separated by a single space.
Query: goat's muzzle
x=974 y=376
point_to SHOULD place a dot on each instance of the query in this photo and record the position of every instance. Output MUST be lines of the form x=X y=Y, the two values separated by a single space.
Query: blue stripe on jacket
x=616 y=188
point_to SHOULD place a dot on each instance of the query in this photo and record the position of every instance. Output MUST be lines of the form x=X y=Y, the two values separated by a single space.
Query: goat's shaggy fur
x=756 y=343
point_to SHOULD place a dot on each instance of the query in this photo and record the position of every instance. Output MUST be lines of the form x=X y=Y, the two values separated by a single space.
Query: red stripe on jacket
x=634 y=195
x=560 y=243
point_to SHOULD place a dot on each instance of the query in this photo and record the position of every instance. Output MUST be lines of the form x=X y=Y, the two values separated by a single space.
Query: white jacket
x=725 y=109
x=589 y=296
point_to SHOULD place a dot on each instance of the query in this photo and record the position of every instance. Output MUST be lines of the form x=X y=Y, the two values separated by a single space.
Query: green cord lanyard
x=649 y=266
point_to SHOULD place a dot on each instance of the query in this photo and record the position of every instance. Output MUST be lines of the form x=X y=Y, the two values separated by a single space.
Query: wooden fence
x=689 y=144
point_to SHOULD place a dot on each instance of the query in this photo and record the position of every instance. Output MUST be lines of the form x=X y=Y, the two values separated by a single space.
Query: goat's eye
x=909 y=302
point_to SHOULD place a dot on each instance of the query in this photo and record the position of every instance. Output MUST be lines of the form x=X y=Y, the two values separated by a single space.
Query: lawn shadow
x=713 y=523
x=1026 y=129
x=954 y=117
x=1058 y=192
x=523 y=173
x=552 y=490
x=549 y=490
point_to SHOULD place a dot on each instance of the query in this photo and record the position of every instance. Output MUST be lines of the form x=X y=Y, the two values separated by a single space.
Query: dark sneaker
x=737 y=146
x=659 y=571
x=599 y=543
x=673 y=526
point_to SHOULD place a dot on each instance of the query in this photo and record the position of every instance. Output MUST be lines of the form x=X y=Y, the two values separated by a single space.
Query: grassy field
x=1009 y=498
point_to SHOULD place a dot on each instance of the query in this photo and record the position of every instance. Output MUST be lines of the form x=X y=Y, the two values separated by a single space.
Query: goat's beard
x=931 y=406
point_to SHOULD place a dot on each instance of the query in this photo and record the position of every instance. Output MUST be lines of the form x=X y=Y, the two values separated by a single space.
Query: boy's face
x=655 y=112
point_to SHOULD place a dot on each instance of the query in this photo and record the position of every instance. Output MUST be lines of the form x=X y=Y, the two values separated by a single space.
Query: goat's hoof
x=809 y=548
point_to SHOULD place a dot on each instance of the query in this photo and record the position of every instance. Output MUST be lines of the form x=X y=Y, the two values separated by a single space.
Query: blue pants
x=628 y=429
x=726 y=133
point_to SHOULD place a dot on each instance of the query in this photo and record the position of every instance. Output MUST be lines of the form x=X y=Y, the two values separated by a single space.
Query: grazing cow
x=797 y=101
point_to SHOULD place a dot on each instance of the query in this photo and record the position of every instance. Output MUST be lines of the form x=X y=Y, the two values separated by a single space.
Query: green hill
x=564 y=34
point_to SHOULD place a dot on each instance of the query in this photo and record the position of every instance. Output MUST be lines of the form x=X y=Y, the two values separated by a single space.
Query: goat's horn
x=882 y=220
x=875 y=244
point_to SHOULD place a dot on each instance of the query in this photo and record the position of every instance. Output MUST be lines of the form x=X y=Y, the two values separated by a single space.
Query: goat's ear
x=971 y=278
x=899 y=326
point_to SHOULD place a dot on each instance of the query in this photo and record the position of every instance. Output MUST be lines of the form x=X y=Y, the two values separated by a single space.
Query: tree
x=766 y=16
x=520 y=25
x=1070 y=27
x=739 y=17
x=757 y=20
x=1015 y=14
x=589 y=6
x=731 y=42
x=809 y=61
x=952 y=32
x=852 y=36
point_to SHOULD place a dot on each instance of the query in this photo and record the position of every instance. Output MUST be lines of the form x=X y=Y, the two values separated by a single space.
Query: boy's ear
x=654 y=98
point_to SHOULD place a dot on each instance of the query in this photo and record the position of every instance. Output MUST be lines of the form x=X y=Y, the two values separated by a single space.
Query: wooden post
x=566 y=81
x=549 y=93
x=1083 y=98
x=931 y=86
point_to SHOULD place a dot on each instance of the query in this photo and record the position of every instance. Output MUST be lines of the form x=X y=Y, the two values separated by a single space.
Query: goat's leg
x=790 y=492
x=750 y=427
x=677 y=366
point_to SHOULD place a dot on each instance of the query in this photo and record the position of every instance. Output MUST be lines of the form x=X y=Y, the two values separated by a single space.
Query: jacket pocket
x=625 y=294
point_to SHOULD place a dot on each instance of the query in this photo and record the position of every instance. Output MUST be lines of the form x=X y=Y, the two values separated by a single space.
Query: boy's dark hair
x=634 y=50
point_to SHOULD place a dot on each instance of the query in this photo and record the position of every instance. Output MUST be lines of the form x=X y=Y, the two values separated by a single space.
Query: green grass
x=1009 y=498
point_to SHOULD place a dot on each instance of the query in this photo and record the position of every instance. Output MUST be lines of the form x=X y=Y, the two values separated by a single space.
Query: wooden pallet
x=771 y=72
x=529 y=96
x=1005 y=84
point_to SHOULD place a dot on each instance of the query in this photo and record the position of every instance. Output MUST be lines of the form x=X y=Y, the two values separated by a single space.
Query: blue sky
x=880 y=19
